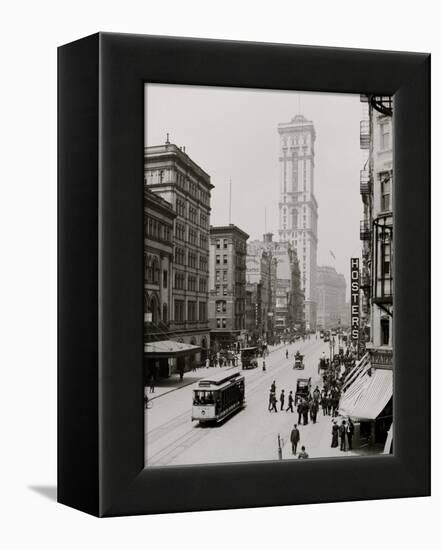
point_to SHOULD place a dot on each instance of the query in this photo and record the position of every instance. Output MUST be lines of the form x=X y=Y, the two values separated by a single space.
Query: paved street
x=251 y=434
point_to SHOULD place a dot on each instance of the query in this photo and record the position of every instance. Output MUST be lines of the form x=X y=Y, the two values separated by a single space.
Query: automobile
x=303 y=389
x=298 y=361
x=249 y=357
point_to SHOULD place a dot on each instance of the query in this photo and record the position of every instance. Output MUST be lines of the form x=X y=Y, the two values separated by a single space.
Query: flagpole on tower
x=229 y=209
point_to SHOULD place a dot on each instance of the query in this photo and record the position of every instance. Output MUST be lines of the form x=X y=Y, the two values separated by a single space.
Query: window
x=202 y=311
x=192 y=283
x=218 y=243
x=225 y=259
x=180 y=231
x=202 y=284
x=385 y=331
x=385 y=136
x=224 y=322
x=203 y=263
x=217 y=259
x=385 y=180
x=217 y=276
x=221 y=306
x=192 y=259
x=217 y=290
x=192 y=310
x=225 y=243
x=179 y=311
x=294 y=218
x=225 y=276
x=218 y=322
x=156 y=271
x=225 y=290
x=179 y=280
x=164 y=278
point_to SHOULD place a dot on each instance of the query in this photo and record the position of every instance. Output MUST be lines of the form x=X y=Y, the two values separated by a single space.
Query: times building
x=298 y=208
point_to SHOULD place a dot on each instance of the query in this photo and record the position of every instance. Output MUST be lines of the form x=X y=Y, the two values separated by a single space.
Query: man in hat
x=295 y=438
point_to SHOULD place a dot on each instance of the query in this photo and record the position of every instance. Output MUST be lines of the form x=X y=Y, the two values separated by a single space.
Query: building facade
x=172 y=175
x=227 y=285
x=370 y=400
x=275 y=265
x=260 y=278
x=376 y=228
x=298 y=208
x=332 y=309
x=159 y=219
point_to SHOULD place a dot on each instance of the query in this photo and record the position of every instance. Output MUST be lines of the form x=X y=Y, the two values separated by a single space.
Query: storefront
x=367 y=400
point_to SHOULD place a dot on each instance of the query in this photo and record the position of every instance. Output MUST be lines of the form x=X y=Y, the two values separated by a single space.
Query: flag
x=332 y=254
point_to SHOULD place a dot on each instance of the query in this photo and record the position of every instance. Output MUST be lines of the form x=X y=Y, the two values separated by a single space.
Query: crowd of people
x=327 y=397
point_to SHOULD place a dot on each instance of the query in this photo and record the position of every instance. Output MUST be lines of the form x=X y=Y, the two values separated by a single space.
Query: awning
x=169 y=348
x=367 y=396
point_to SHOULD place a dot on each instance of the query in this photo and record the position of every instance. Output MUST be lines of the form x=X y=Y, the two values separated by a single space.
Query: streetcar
x=217 y=397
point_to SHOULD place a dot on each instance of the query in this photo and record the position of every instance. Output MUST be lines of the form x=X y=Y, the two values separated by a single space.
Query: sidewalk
x=167 y=385
x=317 y=440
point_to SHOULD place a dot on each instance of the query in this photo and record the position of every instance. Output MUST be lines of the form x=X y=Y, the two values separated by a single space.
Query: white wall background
x=30 y=33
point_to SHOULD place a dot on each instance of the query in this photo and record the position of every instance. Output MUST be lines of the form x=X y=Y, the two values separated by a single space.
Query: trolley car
x=217 y=397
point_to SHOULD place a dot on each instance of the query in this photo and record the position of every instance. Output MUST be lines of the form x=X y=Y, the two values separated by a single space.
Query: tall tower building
x=298 y=205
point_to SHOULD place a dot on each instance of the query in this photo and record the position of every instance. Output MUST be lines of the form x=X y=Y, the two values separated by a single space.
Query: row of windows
x=192 y=236
x=180 y=279
x=221 y=274
x=218 y=259
x=155 y=229
x=193 y=189
x=192 y=258
x=194 y=312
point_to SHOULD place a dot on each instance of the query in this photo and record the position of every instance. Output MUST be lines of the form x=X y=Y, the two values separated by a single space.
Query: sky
x=232 y=134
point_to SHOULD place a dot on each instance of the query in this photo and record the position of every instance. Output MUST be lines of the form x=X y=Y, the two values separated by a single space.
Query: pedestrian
x=335 y=401
x=316 y=393
x=282 y=399
x=273 y=402
x=263 y=365
x=303 y=453
x=152 y=384
x=305 y=411
x=334 y=442
x=343 y=433
x=146 y=401
x=300 y=412
x=273 y=386
x=287 y=354
x=350 y=433
x=324 y=404
x=270 y=399
x=295 y=438
x=314 y=409
x=290 y=402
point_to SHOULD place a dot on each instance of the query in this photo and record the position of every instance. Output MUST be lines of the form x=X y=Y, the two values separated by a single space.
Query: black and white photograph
x=268 y=288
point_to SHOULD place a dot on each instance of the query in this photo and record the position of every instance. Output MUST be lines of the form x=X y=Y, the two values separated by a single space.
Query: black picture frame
x=100 y=273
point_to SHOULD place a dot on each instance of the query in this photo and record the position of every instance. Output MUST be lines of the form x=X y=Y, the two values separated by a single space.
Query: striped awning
x=367 y=396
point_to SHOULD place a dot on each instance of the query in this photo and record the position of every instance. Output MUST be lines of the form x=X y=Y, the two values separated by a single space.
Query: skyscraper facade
x=298 y=208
